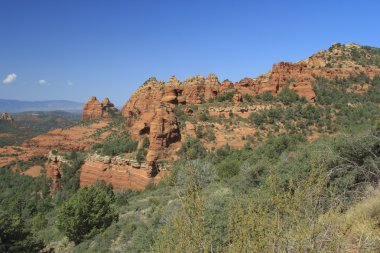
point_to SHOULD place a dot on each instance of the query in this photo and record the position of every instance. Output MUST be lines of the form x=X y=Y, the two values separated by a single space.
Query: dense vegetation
x=280 y=193
x=88 y=212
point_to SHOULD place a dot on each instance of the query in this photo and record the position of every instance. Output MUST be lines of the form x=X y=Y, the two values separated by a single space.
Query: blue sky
x=74 y=49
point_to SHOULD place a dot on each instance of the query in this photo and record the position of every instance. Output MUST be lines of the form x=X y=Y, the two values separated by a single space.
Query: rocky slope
x=218 y=113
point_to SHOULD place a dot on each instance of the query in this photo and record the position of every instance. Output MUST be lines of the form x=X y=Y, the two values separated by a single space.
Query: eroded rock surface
x=94 y=109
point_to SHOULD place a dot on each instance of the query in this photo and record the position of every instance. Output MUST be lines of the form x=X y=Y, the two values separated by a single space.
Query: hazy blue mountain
x=7 y=105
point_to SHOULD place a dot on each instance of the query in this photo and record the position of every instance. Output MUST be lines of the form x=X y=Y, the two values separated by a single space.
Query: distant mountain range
x=7 y=105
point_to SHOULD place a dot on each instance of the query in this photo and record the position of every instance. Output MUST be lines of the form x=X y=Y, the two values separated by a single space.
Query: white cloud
x=10 y=78
x=42 y=82
x=70 y=83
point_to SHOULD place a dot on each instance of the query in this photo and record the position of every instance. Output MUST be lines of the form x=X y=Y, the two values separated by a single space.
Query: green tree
x=15 y=237
x=87 y=212
x=192 y=149
x=288 y=96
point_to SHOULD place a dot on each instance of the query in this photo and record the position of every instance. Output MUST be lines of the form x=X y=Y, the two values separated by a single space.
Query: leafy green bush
x=248 y=98
x=288 y=96
x=204 y=116
x=224 y=97
x=228 y=168
x=15 y=236
x=192 y=148
x=258 y=118
x=267 y=96
x=116 y=144
x=88 y=212
x=70 y=174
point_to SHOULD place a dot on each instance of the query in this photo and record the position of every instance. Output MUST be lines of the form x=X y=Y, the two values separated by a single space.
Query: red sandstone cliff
x=150 y=113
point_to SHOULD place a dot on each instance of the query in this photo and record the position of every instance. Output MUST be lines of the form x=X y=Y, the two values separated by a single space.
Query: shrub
x=224 y=97
x=192 y=149
x=203 y=116
x=258 y=118
x=141 y=153
x=248 y=98
x=228 y=168
x=14 y=235
x=288 y=96
x=116 y=144
x=267 y=96
x=88 y=212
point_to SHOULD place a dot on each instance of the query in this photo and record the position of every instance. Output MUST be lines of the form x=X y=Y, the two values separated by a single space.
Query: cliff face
x=166 y=113
x=164 y=131
x=122 y=173
x=94 y=109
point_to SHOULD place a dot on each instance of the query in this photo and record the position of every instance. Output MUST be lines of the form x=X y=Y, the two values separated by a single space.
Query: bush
x=267 y=96
x=192 y=149
x=116 y=144
x=228 y=168
x=224 y=97
x=87 y=212
x=203 y=116
x=248 y=98
x=258 y=118
x=288 y=96
x=14 y=235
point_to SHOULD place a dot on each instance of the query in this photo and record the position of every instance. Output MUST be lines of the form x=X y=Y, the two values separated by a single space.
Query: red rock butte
x=150 y=114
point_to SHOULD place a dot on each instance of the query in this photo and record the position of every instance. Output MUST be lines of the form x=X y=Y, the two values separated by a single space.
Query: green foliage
x=15 y=236
x=204 y=116
x=192 y=149
x=228 y=168
x=116 y=144
x=70 y=175
x=267 y=96
x=248 y=98
x=258 y=118
x=224 y=97
x=88 y=212
x=23 y=195
x=149 y=80
x=288 y=96
x=145 y=143
x=366 y=56
x=140 y=156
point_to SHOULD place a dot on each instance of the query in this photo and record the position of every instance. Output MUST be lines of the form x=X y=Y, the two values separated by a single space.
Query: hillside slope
x=285 y=162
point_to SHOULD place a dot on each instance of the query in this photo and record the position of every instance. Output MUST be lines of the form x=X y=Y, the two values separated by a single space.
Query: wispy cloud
x=10 y=78
x=70 y=83
x=42 y=82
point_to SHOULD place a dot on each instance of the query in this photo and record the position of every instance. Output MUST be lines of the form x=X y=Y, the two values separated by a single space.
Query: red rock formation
x=120 y=172
x=190 y=129
x=164 y=131
x=53 y=170
x=299 y=76
x=93 y=109
x=194 y=90
x=188 y=111
x=237 y=98
x=225 y=86
x=146 y=99
x=212 y=88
